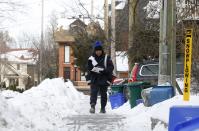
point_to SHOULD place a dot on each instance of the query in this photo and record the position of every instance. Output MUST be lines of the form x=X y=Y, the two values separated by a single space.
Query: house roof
x=28 y=56
x=79 y=23
x=63 y=36
x=121 y=5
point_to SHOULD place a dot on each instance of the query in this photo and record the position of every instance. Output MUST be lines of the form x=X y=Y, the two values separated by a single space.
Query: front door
x=66 y=73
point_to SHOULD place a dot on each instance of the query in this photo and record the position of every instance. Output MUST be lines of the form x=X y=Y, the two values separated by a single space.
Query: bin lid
x=112 y=86
x=186 y=116
x=138 y=83
x=190 y=125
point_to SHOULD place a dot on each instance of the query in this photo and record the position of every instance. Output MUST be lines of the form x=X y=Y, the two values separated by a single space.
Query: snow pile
x=139 y=118
x=44 y=106
x=10 y=118
x=9 y=94
x=49 y=105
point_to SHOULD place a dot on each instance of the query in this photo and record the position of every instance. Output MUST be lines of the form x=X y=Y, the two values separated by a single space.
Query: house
x=122 y=64
x=18 y=68
x=77 y=26
x=67 y=67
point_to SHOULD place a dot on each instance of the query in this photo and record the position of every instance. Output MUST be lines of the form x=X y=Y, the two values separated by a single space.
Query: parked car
x=148 y=72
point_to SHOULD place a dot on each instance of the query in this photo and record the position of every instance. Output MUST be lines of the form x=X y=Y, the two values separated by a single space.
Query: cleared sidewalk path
x=85 y=121
x=95 y=122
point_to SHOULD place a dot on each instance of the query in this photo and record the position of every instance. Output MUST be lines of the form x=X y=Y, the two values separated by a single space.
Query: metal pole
x=161 y=47
x=42 y=41
x=171 y=34
x=173 y=43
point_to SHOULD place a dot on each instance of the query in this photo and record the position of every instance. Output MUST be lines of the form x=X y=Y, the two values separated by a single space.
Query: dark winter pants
x=94 y=92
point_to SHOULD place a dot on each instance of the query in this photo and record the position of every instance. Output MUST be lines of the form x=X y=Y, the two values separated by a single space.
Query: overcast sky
x=30 y=21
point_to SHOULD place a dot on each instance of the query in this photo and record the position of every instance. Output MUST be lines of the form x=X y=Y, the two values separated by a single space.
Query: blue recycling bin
x=160 y=93
x=117 y=100
x=184 y=118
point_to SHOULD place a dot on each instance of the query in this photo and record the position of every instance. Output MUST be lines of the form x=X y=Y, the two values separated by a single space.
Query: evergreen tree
x=83 y=46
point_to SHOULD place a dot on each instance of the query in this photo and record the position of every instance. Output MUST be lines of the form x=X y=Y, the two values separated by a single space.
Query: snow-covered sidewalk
x=53 y=106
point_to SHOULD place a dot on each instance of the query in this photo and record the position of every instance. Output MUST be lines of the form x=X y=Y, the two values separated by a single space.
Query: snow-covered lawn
x=46 y=107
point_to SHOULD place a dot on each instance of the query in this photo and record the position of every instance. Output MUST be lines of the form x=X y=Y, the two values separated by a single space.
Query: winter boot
x=102 y=110
x=92 y=109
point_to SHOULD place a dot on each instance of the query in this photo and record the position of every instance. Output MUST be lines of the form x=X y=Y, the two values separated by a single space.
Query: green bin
x=135 y=89
x=117 y=88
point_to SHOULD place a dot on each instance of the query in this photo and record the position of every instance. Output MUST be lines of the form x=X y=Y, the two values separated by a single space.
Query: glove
x=97 y=69
x=105 y=71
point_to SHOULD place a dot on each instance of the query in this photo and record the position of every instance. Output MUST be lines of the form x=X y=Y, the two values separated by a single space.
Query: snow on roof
x=121 y=5
x=153 y=10
x=20 y=56
x=121 y=61
x=64 y=23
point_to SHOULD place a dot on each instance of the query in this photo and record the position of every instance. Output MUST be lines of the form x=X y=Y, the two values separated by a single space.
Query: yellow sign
x=187 y=64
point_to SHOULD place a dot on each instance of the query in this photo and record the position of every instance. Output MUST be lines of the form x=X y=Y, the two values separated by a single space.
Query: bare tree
x=84 y=40
x=50 y=51
x=9 y=9
x=4 y=40
x=187 y=17
x=143 y=32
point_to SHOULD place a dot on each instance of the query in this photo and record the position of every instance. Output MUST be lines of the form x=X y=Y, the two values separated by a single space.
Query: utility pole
x=167 y=48
x=41 y=43
x=113 y=55
x=106 y=30
x=161 y=67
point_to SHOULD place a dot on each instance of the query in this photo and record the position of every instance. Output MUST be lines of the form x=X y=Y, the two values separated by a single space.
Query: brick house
x=67 y=67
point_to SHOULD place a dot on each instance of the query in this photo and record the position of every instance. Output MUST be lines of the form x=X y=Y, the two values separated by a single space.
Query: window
x=153 y=69
x=197 y=2
x=192 y=2
x=149 y=70
x=67 y=54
